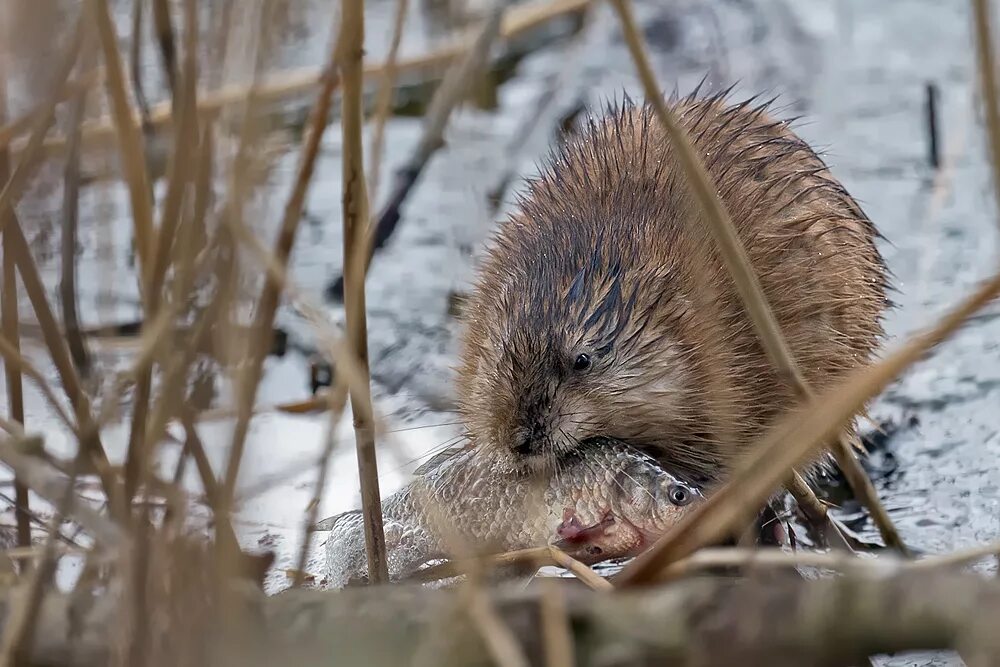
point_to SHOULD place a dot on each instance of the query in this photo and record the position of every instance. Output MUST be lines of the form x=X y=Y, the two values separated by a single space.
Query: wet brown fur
x=606 y=256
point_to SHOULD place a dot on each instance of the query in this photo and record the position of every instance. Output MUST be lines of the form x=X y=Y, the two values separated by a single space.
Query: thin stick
x=793 y=439
x=9 y=316
x=17 y=363
x=135 y=62
x=129 y=141
x=180 y=172
x=15 y=184
x=337 y=400
x=59 y=351
x=23 y=123
x=988 y=83
x=744 y=277
x=264 y=318
x=772 y=558
x=19 y=635
x=582 y=572
x=556 y=629
x=383 y=106
x=453 y=89
x=519 y=20
x=165 y=38
x=500 y=641
x=52 y=486
x=355 y=208
x=70 y=220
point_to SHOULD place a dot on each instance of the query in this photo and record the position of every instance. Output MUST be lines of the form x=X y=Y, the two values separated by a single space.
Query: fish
x=603 y=501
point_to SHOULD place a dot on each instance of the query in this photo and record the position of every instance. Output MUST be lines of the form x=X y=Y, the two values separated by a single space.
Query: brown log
x=777 y=621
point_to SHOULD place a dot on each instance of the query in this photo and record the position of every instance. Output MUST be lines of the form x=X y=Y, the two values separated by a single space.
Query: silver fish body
x=606 y=501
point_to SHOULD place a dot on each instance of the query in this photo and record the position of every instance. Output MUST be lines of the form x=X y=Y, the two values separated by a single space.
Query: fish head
x=652 y=500
x=642 y=502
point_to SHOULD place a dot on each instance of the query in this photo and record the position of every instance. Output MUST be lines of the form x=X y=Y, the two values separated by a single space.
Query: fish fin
x=328 y=523
x=439 y=459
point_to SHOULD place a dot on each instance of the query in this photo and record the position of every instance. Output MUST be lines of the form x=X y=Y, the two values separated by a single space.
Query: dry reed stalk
x=165 y=38
x=86 y=427
x=268 y=303
x=583 y=572
x=10 y=130
x=11 y=427
x=170 y=403
x=745 y=280
x=500 y=642
x=145 y=431
x=988 y=83
x=19 y=633
x=453 y=89
x=10 y=326
x=130 y=143
x=519 y=20
x=383 y=106
x=811 y=506
x=751 y=558
x=772 y=558
x=17 y=363
x=350 y=45
x=70 y=224
x=178 y=180
x=337 y=400
x=51 y=485
x=14 y=185
x=793 y=439
x=197 y=160
x=556 y=630
x=226 y=272
x=135 y=63
x=15 y=390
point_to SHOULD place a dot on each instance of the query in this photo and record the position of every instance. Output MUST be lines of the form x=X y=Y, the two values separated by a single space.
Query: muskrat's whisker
x=435 y=450
x=782 y=516
x=422 y=426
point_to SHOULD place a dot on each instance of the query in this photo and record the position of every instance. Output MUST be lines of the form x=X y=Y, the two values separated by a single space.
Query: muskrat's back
x=603 y=307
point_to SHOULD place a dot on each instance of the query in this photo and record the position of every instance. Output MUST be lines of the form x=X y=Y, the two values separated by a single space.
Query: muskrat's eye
x=678 y=495
x=582 y=362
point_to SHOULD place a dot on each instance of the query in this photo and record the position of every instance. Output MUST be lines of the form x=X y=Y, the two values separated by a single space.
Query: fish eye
x=582 y=362
x=678 y=495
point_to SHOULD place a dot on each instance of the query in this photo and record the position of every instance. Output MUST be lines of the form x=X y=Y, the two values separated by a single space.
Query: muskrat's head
x=573 y=343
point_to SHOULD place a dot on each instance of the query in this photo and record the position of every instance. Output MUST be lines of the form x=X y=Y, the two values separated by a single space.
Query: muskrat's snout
x=529 y=443
x=532 y=442
x=534 y=433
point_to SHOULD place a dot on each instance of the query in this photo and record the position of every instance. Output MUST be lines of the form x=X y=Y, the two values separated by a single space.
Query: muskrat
x=602 y=306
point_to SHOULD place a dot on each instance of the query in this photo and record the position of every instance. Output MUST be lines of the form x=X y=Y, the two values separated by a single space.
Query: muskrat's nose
x=528 y=445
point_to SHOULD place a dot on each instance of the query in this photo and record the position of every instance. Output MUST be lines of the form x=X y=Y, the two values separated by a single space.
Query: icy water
x=856 y=71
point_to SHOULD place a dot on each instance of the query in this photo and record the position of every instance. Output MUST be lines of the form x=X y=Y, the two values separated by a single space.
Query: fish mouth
x=612 y=537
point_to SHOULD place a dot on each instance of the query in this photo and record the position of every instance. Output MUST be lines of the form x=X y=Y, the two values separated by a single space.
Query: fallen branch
x=102 y=132
x=701 y=621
